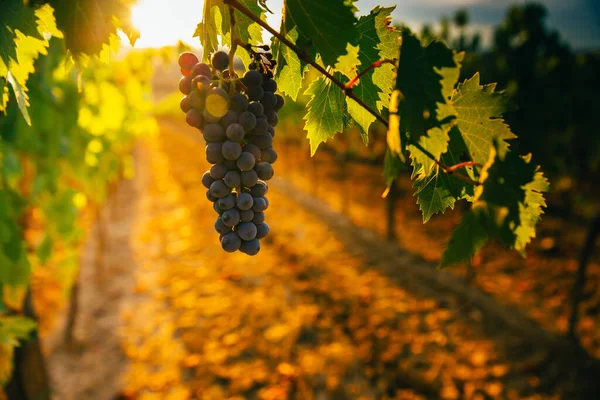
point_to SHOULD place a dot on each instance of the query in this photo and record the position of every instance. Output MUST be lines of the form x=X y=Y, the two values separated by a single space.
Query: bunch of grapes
x=237 y=119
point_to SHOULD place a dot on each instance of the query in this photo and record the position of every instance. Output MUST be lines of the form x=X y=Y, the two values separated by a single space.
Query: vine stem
x=347 y=90
x=376 y=64
x=233 y=35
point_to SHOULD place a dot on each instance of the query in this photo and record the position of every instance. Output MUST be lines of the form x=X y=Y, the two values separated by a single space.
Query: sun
x=164 y=23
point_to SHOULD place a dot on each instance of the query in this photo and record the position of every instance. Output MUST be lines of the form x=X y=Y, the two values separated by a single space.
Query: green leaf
x=88 y=24
x=18 y=16
x=467 y=238
x=325 y=115
x=478 y=116
x=348 y=64
x=14 y=328
x=290 y=69
x=21 y=97
x=363 y=118
x=44 y=250
x=329 y=25
x=8 y=48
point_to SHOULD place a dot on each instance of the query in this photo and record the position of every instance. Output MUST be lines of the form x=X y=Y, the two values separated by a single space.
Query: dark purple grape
x=260 y=189
x=231 y=150
x=244 y=201
x=272 y=117
x=211 y=197
x=246 y=215
x=217 y=208
x=238 y=102
x=231 y=217
x=235 y=132
x=256 y=108
x=201 y=69
x=201 y=84
x=197 y=100
x=269 y=100
x=252 y=78
x=207 y=180
x=184 y=104
x=264 y=170
x=220 y=60
x=270 y=86
x=261 y=128
x=214 y=133
x=262 y=141
x=268 y=155
x=251 y=247
x=219 y=189
x=280 y=102
x=218 y=171
x=231 y=164
x=232 y=179
x=253 y=149
x=246 y=230
x=246 y=161
x=249 y=178
x=213 y=153
x=231 y=242
x=227 y=202
x=259 y=218
x=255 y=93
x=194 y=118
x=185 y=84
x=262 y=230
x=229 y=118
x=221 y=228
x=260 y=204
x=209 y=118
x=247 y=120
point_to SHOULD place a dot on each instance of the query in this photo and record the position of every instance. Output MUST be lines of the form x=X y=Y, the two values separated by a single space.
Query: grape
x=267 y=201
x=235 y=132
x=218 y=171
x=262 y=230
x=261 y=128
x=249 y=178
x=197 y=100
x=231 y=217
x=263 y=141
x=244 y=201
x=219 y=189
x=194 y=118
x=214 y=133
x=270 y=86
x=185 y=85
x=207 y=180
x=255 y=93
x=247 y=120
x=246 y=161
x=217 y=102
x=260 y=189
x=213 y=153
x=272 y=117
x=217 y=208
x=259 y=217
x=231 y=164
x=184 y=104
x=227 y=202
x=238 y=102
x=260 y=204
x=246 y=230
x=201 y=69
x=229 y=118
x=221 y=228
x=208 y=117
x=220 y=60
x=269 y=100
x=264 y=170
x=251 y=248
x=231 y=242
x=268 y=155
x=186 y=62
x=253 y=149
x=201 y=83
x=280 y=102
x=232 y=179
x=246 y=215
x=231 y=150
x=252 y=78
x=211 y=197
x=271 y=130
x=256 y=108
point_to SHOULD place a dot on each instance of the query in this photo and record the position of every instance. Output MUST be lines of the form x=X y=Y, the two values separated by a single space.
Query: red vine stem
x=462 y=165
x=376 y=64
x=347 y=90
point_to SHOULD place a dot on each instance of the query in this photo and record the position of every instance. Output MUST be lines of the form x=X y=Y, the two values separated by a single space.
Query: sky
x=578 y=21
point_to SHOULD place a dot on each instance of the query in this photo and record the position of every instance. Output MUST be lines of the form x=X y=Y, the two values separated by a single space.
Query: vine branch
x=376 y=64
x=233 y=35
x=347 y=90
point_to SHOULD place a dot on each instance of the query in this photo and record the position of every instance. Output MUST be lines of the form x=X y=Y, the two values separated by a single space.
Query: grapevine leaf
x=330 y=25
x=88 y=24
x=531 y=210
x=348 y=63
x=18 y=16
x=478 y=116
x=207 y=30
x=290 y=69
x=467 y=238
x=21 y=97
x=8 y=49
x=246 y=30
x=15 y=328
x=436 y=192
x=325 y=116
x=363 y=118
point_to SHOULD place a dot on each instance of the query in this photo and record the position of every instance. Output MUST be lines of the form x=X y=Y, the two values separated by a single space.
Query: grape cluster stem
x=450 y=170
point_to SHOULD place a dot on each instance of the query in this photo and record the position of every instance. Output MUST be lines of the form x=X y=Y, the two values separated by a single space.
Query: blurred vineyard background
x=138 y=301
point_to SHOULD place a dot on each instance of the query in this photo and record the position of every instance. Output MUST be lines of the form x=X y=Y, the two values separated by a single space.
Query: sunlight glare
x=164 y=23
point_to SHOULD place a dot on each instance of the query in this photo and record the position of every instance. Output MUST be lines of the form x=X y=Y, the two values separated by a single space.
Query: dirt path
x=326 y=310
